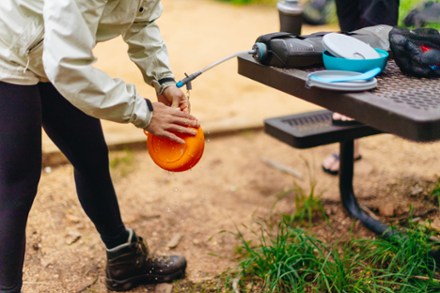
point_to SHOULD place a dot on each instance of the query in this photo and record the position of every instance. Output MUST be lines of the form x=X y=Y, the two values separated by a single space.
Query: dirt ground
x=197 y=213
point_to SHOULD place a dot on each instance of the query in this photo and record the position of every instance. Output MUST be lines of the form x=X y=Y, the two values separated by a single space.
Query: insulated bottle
x=290 y=13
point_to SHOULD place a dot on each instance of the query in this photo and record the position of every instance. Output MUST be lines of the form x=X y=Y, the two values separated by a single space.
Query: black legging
x=356 y=14
x=23 y=110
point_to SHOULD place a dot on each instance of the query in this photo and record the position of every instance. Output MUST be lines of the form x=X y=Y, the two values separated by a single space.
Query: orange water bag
x=173 y=156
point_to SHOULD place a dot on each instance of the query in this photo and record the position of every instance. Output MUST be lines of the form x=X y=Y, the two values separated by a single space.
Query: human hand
x=174 y=97
x=167 y=121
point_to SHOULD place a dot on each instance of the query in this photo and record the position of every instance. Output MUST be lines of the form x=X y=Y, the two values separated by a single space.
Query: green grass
x=290 y=262
x=121 y=163
x=308 y=207
x=294 y=261
x=283 y=255
x=406 y=6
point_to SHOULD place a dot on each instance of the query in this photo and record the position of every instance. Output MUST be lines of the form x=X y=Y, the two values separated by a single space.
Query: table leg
x=348 y=197
x=350 y=203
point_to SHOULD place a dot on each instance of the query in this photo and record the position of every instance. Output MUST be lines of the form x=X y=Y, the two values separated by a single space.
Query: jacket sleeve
x=70 y=36
x=146 y=47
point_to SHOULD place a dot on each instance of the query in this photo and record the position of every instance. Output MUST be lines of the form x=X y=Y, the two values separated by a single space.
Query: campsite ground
x=197 y=213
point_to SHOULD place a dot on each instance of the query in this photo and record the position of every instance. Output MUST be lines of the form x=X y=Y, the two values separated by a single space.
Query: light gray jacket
x=52 y=40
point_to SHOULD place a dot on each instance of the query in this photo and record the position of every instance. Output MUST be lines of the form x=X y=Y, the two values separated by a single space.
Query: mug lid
x=344 y=46
x=315 y=79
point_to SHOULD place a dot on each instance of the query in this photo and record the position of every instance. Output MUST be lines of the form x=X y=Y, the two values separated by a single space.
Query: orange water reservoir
x=175 y=157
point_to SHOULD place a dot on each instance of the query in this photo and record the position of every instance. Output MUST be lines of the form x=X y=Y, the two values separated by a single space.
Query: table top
x=405 y=106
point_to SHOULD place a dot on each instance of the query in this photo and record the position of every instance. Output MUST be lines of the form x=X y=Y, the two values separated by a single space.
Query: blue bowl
x=332 y=62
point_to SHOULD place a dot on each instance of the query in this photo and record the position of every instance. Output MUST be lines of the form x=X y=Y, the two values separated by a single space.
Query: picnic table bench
x=400 y=105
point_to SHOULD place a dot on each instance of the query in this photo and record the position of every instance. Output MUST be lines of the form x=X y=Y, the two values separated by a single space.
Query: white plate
x=348 y=47
x=351 y=86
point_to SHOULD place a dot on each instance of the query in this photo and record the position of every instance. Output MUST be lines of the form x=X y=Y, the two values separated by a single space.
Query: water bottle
x=290 y=13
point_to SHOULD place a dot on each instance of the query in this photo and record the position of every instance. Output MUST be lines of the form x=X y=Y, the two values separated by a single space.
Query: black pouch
x=290 y=51
x=416 y=52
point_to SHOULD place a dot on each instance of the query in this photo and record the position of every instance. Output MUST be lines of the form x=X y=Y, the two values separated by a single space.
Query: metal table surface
x=405 y=106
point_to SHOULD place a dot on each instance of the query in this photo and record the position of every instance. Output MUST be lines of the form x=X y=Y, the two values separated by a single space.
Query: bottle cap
x=289 y=7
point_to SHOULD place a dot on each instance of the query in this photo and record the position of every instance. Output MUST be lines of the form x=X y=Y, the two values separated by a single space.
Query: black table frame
x=401 y=105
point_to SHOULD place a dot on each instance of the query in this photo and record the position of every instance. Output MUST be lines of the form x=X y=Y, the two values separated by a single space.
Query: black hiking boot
x=129 y=265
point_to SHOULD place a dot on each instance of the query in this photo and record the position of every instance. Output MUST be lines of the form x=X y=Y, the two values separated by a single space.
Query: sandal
x=338 y=122
x=343 y=121
x=336 y=159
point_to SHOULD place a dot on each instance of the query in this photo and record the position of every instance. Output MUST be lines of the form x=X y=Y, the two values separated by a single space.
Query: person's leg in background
x=356 y=14
x=353 y=15
x=330 y=164
x=376 y=12
x=20 y=169
x=349 y=13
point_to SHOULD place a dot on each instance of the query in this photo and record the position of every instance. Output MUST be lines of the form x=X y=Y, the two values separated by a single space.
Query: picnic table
x=405 y=106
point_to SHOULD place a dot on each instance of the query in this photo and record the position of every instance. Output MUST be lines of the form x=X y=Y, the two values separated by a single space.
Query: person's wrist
x=164 y=83
x=150 y=111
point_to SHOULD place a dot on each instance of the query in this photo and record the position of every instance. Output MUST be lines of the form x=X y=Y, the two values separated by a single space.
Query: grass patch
x=294 y=261
x=308 y=207
x=122 y=162
x=405 y=7
x=283 y=256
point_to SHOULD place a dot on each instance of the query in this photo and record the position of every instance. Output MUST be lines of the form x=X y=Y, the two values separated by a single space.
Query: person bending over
x=47 y=80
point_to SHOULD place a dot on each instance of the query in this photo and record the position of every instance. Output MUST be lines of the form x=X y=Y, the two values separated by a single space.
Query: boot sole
x=128 y=284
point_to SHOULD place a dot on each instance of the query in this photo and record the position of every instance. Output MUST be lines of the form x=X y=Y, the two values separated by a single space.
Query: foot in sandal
x=330 y=165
